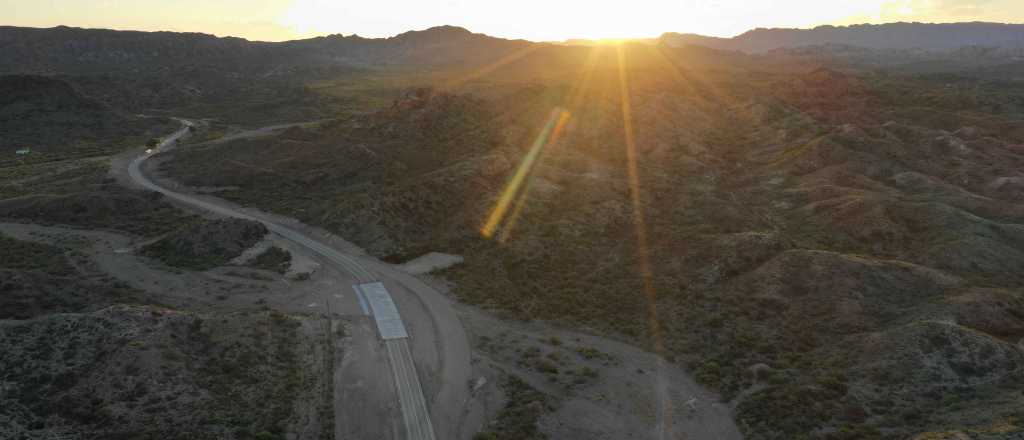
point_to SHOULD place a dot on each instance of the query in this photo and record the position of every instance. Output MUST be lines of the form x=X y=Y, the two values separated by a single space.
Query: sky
x=538 y=20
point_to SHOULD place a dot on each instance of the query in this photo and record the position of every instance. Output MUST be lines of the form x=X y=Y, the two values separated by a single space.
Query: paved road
x=414 y=408
x=449 y=338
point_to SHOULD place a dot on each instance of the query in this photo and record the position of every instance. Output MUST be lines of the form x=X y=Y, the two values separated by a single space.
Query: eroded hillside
x=839 y=263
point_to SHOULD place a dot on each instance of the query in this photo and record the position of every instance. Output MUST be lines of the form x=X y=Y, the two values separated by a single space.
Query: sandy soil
x=430 y=262
x=635 y=394
x=217 y=289
x=301 y=263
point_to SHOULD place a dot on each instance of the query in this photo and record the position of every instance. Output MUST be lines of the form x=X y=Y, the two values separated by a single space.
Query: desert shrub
x=518 y=419
x=709 y=373
x=205 y=245
x=273 y=259
x=24 y=255
x=788 y=411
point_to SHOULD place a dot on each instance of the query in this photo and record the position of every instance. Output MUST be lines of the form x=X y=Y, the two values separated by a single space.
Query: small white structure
x=389 y=323
x=23 y=152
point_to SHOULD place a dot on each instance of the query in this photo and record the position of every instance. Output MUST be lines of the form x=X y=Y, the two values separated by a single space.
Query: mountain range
x=64 y=49
x=825 y=227
x=891 y=36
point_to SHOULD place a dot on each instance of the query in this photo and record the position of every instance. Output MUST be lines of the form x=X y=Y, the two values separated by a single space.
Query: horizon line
x=638 y=38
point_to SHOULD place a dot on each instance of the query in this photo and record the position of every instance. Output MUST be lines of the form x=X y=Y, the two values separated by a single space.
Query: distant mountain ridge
x=892 y=36
x=75 y=50
x=71 y=50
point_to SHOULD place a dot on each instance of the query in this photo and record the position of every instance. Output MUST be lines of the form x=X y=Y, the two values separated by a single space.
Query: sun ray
x=586 y=75
x=689 y=78
x=694 y=81
x=549 y=136
x=477 y=73
x=643 y=259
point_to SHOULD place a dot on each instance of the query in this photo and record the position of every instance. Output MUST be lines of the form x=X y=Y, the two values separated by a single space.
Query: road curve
x=450 y=338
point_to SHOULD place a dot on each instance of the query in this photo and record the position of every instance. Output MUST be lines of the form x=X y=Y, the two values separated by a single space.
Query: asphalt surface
x=444 y=343
x=414 y=407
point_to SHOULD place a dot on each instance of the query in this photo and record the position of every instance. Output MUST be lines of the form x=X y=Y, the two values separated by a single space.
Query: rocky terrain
x=92 y=349
x=40 y=279
x=832 y=238
x=827 y=256
x=69 y=49
x=51 y=117
x=101 y=342
x=425 y=133
x=147 y=372
x=206 y=245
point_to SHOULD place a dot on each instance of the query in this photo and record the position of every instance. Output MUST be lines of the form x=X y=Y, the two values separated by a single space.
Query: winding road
x=424 y=416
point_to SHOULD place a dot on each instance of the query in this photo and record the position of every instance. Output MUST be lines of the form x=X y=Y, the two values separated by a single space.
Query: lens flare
x=515 y=191
x=557 y=119
x=477 y=73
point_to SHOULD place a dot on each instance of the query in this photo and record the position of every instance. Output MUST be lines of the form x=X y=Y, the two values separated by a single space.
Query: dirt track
x=439 y=346
x=622 y=402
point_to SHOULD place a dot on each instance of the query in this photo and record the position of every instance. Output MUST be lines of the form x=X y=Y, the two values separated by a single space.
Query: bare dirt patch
x=430 y=262
x=593 y=387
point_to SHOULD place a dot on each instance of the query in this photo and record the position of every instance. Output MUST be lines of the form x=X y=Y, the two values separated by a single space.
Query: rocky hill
x=37 y=280
x=838 y=253
x=230 y=79
x=413 y=158
x=82 y=51
x=49 y=115
x=208 y=244
x=892 y=36
x=197 y=74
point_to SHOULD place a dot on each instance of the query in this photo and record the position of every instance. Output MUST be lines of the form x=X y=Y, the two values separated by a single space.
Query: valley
x=679 y=238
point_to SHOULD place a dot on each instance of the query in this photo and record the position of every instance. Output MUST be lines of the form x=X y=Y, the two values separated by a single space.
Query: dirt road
x=439 y=350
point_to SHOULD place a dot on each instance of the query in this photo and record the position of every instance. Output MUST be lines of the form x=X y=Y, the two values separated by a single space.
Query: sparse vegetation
x=57 y=122
x=518 y=419
x=78 y=192
x=831 y=236
x=273 y=259
x=206 y=245
x=37 y=279
x=240 y=377
x=788 y=222
x=23 y=255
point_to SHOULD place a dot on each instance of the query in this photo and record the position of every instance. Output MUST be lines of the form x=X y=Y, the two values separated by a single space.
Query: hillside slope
x=890 y=36
x=51 y=116
x=833 y=261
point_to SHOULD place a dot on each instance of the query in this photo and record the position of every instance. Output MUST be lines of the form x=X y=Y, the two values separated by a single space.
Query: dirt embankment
x=207 y=244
